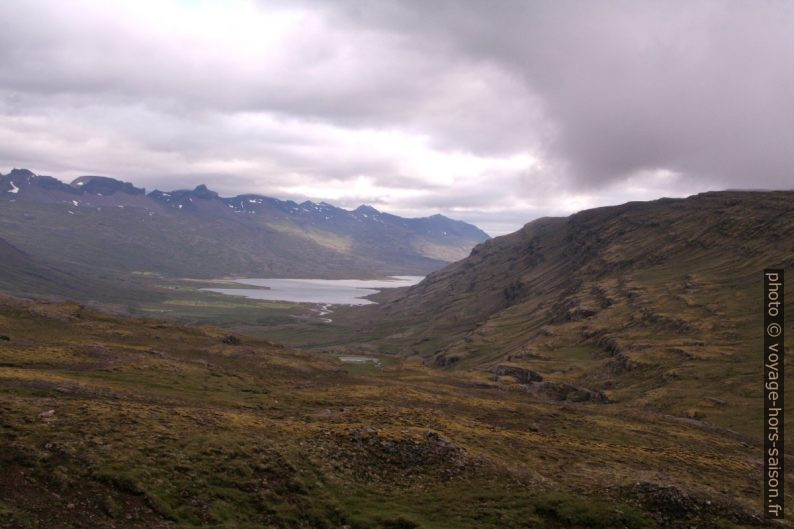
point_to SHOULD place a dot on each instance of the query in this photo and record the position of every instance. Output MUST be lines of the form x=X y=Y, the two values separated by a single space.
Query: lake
x=322 y=291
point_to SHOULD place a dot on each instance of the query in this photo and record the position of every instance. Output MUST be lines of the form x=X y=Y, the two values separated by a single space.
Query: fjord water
x=325 y=291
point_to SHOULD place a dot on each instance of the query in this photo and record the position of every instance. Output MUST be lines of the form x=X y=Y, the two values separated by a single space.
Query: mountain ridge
x=652 y=302
x=100 y=186
x=103 y=226
x=571 y=243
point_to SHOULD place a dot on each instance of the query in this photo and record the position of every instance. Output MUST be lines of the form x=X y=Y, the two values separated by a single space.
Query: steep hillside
x=137 y=423
x=20 y=272
x=104 y=224
x=655 y=302
x=41 y=278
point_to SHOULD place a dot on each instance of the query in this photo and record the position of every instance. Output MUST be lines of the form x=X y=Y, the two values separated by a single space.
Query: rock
x=361 y=434
x=673 y=507
x=683 y=353
x=693 y=413
x=620 y=363
x=231 y=340
x=579 y=313
x=521 y=374
x=376 y=455
x=443 y=360
x=436 y=439
x=526 y=353
x=609 y=344
x=561 y=391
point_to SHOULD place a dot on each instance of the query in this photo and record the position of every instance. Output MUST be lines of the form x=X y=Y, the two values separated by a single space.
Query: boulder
x=231 y=340
x=521 y=374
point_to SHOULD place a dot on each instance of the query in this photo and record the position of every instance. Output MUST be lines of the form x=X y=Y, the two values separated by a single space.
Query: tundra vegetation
x=597 y=371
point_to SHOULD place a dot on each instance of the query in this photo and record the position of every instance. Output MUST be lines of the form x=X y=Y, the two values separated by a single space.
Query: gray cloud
x=701 y=88
x=491 y=112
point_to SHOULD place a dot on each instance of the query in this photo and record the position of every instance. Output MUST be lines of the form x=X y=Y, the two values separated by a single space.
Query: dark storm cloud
x=482 y=110
x=702 y=88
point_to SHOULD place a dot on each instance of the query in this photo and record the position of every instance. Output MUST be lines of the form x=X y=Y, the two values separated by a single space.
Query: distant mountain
x=104 y=224
x=642 y=301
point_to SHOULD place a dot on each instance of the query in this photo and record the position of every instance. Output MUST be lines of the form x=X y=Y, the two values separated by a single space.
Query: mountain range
x=98 y=227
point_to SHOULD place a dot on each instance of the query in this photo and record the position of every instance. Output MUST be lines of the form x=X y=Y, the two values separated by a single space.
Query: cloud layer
x=496 y=113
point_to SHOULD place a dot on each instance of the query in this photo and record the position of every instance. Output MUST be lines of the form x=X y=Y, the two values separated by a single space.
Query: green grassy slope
x=113 y=422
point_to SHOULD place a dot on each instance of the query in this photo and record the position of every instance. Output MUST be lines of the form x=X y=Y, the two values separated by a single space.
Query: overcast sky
x=495 y=112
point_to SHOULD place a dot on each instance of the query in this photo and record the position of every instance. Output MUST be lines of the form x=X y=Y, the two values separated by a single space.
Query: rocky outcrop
x=619 y=364
x=521 y=374
x=676 y=508
x=369 y=454
x=443 y=360
x=562 y=391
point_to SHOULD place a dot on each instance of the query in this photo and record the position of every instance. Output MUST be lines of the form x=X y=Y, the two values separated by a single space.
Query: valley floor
x=110 y=421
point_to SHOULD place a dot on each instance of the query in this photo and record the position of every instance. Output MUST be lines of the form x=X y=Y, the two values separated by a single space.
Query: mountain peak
x=104 y=185
x=21 y=173
x=202 y=191
x=366 y=208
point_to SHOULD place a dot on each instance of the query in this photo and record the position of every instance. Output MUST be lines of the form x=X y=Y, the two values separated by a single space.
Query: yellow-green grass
x=155 y=423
